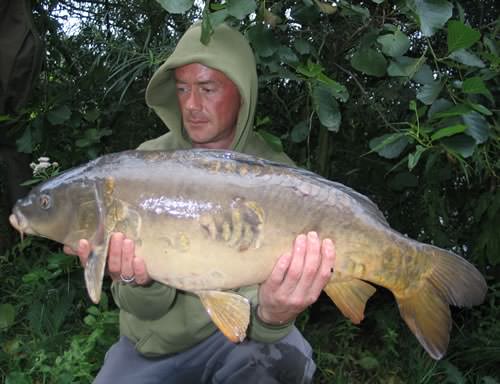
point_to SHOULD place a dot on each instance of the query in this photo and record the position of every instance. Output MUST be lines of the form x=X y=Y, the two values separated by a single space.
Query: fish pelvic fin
x=229 y=311
x=350 y=297
x=450 y=279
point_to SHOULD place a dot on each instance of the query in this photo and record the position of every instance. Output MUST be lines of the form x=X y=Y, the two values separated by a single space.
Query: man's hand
x=123 y=264
x=297 y=279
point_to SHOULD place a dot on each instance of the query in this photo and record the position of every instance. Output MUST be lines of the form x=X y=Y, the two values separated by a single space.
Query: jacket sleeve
x=145 y=302
x=258 y=330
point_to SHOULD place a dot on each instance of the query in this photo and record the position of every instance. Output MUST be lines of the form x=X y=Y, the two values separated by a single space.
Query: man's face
x=209 y=103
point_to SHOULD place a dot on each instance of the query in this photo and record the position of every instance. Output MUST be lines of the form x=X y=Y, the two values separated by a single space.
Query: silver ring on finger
x=127 y=279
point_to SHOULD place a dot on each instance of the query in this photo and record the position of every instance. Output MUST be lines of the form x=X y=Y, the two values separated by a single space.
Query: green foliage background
x=397 y=99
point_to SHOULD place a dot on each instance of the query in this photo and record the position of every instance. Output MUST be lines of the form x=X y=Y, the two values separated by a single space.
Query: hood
x=229 y=52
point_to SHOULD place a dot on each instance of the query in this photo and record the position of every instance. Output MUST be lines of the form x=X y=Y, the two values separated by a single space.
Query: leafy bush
x=395 y=99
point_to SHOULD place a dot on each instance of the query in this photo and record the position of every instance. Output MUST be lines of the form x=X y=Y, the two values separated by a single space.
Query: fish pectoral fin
x=94 y=270
x=350 y=297
x=229 y=311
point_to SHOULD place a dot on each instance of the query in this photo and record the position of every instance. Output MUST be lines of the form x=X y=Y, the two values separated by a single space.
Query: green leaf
x=91 y=115
x=456 y=110
x=360 y=11
x=25 y=143
x=475 y=85
x=477 y=127
x=428 y=93
x=303 y=47
x=287 y=55
x=404 y=66
x=370 y=62
x=326 y=8
x=89 y=320
x=176 y=6
x=7 y=315
x=424 y=75
x=488 y=379
x=491 y=45
x=368 y=363
x=310 y=70
x=414 y=157
x=394 y=44
x=453 y=374
x=263 y=40
x=5 y=118
x=327 y=108
x=17 y=377
x=461 y=36
x=300 y=132
x=59 y=115
x=439 y=105
x=217 y=18
x=461 y=144
x=241 y=8
x=338 y=90
x=448 y=131
x=481 y=109
x=389 y=145
x=273 y=140
x=368 y=39
x=465 y=57
x=433 y=14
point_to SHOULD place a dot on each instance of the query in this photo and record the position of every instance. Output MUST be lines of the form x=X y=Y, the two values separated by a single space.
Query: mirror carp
x=207 y=221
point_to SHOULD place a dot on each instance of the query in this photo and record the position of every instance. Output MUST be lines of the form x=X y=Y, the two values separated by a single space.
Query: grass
x=51 y=333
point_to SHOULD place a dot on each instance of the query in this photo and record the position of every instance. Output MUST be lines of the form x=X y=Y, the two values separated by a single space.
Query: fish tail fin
x=449 y=280
x=94 y=271
x=350 y=297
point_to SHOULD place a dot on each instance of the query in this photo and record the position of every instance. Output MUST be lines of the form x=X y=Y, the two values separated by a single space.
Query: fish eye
x=44 y=201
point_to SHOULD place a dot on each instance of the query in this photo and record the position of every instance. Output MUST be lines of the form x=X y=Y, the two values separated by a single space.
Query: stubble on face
x=209 y=102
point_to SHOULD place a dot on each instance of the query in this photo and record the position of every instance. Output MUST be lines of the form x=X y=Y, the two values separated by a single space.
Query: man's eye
x=208 y=90
x=44 y=201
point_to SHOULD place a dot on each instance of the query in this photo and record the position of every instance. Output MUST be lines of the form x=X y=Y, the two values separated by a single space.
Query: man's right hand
x=123 y=264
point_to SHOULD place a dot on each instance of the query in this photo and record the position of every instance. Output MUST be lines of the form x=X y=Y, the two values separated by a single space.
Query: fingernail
x=328 y=246
x=313 y=235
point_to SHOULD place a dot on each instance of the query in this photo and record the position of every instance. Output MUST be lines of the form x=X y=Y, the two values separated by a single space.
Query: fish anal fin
x=350 y=297
x=427 y=314
x=94 y=270
x=229 y=311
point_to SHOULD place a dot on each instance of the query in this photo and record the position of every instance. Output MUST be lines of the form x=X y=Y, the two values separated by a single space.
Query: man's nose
x=193 y=101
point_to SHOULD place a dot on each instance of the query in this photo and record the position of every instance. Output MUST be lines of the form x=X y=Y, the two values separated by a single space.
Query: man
x=206 y=96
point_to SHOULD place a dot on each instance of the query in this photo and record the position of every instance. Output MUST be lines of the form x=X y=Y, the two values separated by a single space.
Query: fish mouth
x=19 y=222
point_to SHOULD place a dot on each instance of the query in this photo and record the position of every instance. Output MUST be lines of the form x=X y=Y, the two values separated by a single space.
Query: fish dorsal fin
x=350 y=297
x=229 y=311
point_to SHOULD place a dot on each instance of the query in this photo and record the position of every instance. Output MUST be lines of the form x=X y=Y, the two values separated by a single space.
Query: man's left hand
x=297 y=279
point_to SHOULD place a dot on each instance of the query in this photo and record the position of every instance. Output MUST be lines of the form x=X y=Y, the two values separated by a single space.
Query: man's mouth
x=197 y=122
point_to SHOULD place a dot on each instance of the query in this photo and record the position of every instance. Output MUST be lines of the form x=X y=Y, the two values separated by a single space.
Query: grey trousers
x=215 y=360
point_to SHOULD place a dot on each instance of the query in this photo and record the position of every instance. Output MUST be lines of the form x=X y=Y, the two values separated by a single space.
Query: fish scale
x=208 y=221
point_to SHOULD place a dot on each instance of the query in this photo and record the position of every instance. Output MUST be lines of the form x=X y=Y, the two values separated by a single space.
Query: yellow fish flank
x=206 y=221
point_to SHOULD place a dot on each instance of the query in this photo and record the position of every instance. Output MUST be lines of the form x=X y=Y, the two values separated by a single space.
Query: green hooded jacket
x=159 y=319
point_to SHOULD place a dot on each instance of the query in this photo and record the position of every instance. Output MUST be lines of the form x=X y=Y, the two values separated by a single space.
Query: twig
x=362 y=89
